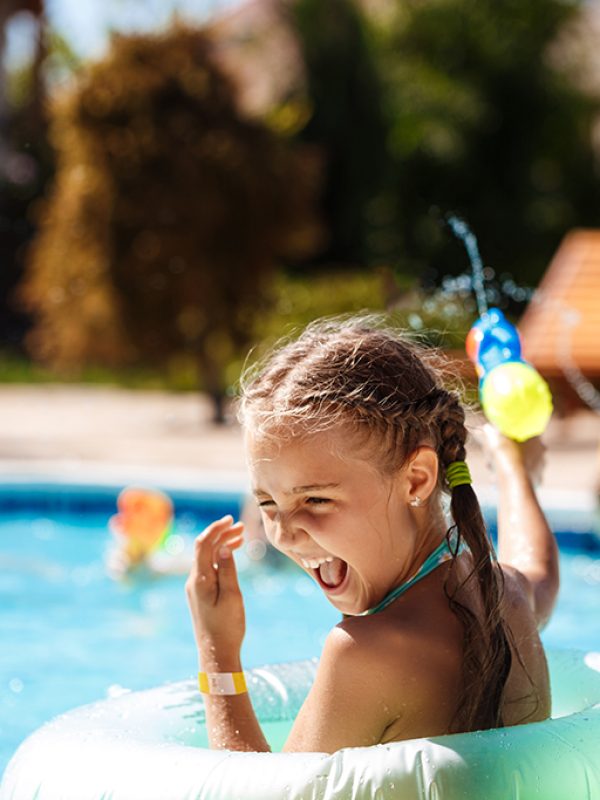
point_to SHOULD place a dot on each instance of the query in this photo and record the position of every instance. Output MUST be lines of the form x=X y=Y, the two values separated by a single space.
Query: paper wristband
x=222 y=683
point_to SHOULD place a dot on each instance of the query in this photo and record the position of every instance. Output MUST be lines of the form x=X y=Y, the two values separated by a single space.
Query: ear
x=421 y=474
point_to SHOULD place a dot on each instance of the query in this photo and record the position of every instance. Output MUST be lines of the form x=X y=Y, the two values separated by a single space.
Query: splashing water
x=569 y=318
x=462 y=231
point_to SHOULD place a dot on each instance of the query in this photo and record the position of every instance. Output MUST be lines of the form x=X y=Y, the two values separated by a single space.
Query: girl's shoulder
x=528 y=687
x=516 y=588
x=369 y=690
x=398 y=649
x=412 y=666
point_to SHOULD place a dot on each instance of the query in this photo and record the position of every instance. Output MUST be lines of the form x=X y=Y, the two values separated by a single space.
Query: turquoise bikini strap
x=441 y=553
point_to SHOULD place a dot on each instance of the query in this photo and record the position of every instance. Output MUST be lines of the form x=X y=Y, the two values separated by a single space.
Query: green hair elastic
x=457 y=474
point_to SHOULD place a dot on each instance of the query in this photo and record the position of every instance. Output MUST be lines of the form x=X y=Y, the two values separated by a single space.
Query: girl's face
x=336 y=515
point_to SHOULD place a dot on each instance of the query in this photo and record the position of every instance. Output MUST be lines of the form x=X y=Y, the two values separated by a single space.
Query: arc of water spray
x=462 y=231
x=586 y=390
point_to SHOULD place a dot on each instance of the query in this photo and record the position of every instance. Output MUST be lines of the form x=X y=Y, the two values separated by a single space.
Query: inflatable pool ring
x=514 y=396
x=151 y=745
x=143 y=523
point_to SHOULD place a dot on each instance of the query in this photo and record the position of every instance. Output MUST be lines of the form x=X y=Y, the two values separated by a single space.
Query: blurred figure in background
x=141 y=528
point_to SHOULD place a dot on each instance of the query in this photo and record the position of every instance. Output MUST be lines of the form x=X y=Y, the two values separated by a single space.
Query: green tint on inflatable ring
x=151 y=745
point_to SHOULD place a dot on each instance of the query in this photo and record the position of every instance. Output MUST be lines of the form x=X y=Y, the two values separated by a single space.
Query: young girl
x=351 y=442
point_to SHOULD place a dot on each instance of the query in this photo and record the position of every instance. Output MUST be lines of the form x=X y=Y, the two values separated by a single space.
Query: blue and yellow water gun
x=514 y=396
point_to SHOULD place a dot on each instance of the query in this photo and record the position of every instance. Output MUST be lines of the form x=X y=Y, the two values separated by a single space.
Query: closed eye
x=265 y=503
x=317 y=500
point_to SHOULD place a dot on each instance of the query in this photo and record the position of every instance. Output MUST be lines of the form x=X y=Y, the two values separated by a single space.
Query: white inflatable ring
x=151 y=745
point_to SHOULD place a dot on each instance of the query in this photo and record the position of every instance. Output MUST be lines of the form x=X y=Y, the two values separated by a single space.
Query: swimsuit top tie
x=441 y=554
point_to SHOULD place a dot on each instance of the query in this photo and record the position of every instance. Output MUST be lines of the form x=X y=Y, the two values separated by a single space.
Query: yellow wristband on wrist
x=222 y=683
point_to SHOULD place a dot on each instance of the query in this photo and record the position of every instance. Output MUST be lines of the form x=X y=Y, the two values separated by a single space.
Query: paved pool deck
x=103 y=434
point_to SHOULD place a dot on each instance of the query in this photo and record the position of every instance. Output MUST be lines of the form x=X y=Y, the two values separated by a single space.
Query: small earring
x=416 y=502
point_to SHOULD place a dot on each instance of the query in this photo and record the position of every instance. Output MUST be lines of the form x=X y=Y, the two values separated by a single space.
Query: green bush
x=169 y=215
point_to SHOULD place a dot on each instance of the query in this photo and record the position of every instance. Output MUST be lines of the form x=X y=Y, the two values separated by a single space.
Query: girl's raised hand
x=213 y=591
x=507 y=455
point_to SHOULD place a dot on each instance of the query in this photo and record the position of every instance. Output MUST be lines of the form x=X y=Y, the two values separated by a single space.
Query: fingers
x=228 y=580
x=225 y=551
x=506 y=455
x=208 y=578
x=226 y=542
x=220 y=536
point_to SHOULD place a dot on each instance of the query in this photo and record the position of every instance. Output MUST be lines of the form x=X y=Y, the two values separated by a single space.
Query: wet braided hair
x=388 y=390
x=487 y=655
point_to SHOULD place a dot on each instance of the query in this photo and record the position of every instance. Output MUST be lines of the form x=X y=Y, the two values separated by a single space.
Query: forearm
x=230 y=719
x=218 y=617
x=525 y=540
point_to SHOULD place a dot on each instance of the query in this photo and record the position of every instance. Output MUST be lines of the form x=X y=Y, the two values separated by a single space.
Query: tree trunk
x=218 y=408
x=212 y=381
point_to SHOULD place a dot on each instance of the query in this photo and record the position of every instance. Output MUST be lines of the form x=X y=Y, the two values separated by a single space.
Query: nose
x=286 y=530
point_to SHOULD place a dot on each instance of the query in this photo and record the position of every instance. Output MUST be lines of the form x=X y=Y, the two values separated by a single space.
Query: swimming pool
x=70 y=635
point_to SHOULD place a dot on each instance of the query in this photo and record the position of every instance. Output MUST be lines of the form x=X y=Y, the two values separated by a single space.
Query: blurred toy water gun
x=144 y=521
x=514 y=396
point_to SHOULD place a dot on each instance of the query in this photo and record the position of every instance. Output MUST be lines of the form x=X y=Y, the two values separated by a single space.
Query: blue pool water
x=70 y=635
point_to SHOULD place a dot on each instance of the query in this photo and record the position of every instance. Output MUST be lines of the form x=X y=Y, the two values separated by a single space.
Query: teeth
x=314 y=563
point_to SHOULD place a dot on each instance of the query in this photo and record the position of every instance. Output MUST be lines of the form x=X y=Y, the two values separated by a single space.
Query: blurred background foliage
x=168 y=215
x=348 y=126
x=483 y=123
x=197 y=189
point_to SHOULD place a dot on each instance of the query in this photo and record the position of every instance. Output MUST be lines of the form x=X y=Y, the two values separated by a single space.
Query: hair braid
x=487 y=654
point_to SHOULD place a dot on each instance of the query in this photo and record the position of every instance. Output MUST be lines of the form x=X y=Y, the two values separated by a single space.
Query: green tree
x=439 y=106
x=25 y=161
x=169 y=214
x=483 y=124
x=347 y=124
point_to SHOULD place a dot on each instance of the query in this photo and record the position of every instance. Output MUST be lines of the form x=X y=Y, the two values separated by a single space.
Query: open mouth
x=331 y=574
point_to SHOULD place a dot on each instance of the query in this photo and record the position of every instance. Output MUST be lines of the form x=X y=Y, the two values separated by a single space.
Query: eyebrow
x=313 y=487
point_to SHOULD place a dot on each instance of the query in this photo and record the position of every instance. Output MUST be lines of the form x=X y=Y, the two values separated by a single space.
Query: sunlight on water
x=71 y=635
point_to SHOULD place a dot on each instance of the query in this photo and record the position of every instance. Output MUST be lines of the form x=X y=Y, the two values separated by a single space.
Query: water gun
x=514 y=396
x=144 y=521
